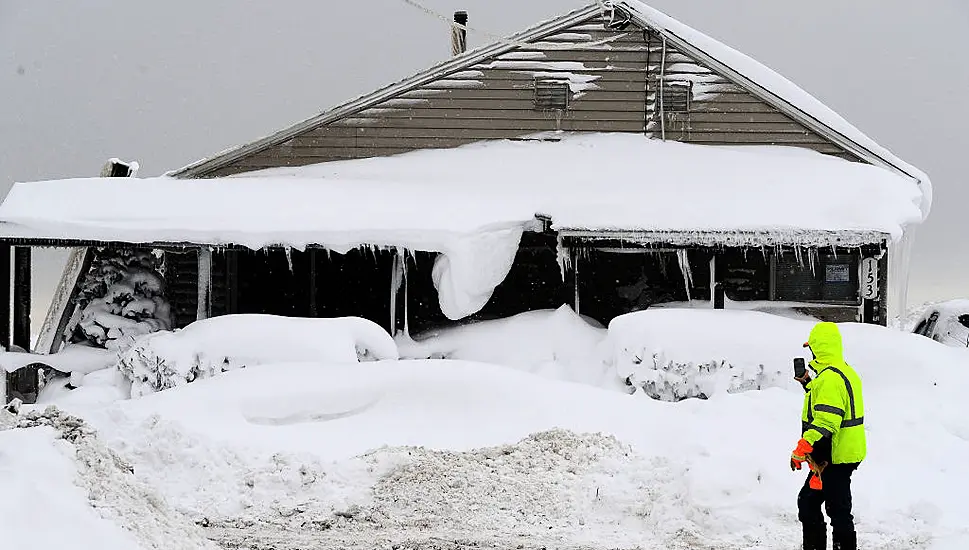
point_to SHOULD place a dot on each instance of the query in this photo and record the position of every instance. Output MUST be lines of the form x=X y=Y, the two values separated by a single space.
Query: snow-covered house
x=611 y=158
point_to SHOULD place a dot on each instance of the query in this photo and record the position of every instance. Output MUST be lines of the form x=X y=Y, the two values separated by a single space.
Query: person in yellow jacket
x=832 y=441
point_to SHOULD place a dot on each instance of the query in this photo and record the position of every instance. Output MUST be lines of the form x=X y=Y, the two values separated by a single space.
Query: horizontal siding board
x=496 y=94
x=619 y=58
x=742 y=127
x=332 y=132
x=482 y=107
x=524 y=81
x=506 y=114
x=760 y=138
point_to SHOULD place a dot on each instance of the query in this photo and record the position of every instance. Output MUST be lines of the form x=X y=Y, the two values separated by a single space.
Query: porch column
x=204 y=284
x=575 y=282
x=5 y=296
x=873 y=286
x=314 y=306
x=21 y=297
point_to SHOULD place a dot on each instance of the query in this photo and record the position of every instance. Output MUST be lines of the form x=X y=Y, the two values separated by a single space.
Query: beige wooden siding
x=721 y=112
x=606 y=71
x=613 y=76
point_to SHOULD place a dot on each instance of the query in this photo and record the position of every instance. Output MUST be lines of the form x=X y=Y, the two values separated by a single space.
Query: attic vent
x=674 y=97
x=552 y=94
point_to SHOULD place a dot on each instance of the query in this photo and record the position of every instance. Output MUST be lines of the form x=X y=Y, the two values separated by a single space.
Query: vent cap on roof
x=459 y=33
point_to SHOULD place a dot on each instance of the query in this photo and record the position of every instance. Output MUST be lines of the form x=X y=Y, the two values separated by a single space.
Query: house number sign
x=869 y=278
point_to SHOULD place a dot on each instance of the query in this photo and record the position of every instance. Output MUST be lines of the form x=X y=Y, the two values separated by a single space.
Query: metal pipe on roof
x=459 y=33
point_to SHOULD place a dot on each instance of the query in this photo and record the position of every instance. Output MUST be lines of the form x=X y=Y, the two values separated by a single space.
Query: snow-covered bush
x=670 y=380
x=206 y=348
x=121 y=298
x=675 y=354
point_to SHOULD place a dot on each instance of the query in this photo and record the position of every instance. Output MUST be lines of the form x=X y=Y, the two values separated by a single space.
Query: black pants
x=835 y=495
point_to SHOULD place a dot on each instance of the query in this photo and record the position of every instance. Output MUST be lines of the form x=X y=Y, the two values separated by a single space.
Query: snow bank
x=206 y=348
x=553 y=343
x=329 y=455
x=82 y=359
x=354 y=451
x=64 y=489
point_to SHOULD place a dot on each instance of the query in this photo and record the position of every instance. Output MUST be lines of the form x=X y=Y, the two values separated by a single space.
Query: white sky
x=168 y=82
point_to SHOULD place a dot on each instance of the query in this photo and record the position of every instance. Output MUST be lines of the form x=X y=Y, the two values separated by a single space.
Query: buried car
x=946 y=323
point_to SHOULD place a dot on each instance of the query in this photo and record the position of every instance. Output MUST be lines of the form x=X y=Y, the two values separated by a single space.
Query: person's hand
x=799 y=456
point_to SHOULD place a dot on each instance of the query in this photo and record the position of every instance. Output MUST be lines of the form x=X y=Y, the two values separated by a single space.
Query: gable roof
x=761 y=81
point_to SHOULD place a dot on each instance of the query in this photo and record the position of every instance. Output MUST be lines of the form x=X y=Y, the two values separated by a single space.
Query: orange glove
x=815 y=481
x=799 y=456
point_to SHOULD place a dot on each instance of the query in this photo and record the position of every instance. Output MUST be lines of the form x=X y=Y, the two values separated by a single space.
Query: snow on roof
x=622 y=182
x=761 y=77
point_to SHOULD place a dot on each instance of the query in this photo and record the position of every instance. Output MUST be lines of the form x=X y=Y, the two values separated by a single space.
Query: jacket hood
x=825 y=343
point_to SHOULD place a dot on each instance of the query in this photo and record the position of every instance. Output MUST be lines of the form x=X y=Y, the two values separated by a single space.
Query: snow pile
x=320 y=462
x=121 y=298
x=945 y=322
x=553 y=343
x=674 y=354
x=80 y=493
x=205 y=348
x=79 y=358
x=394 y=452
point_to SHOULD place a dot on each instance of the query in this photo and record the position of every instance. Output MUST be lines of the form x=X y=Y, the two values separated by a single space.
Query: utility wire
x=437 y=15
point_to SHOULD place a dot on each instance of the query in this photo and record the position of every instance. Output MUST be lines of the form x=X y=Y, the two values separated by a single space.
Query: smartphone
x=799 y=369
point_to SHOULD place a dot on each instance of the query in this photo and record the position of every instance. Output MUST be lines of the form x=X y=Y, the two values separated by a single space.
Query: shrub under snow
x=122 y=297
x=206 y=348
x=678 y=354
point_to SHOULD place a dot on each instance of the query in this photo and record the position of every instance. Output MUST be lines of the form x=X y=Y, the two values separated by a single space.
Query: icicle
x=406 y=298
x=289 y=259
x=684 y=260
x=396 y=279
x=564 y=256
x=812 y=257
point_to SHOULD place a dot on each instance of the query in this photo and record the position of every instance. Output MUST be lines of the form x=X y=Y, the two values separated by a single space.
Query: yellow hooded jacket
x=834 y=409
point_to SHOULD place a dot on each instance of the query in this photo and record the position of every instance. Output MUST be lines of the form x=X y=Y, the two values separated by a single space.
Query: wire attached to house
x=503 y=40
x=662 y=86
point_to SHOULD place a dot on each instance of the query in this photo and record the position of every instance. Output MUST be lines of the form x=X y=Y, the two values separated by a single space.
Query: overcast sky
x=168 y=82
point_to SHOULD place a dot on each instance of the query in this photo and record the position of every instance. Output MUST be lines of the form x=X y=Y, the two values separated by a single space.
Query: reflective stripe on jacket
x=834 y=407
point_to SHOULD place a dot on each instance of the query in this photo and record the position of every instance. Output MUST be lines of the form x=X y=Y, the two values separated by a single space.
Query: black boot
x=845 y=541
x=815 y=536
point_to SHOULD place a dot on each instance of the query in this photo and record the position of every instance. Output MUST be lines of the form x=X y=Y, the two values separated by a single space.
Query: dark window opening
x=614 y=282
x=833 y=278
x=744 y=275
x=552 y=94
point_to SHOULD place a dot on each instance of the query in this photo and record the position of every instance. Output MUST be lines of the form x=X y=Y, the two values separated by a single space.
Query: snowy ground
x=459 y=453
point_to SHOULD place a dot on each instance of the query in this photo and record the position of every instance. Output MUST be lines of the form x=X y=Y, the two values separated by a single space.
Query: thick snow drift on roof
x=426 y=199
x=776 y=84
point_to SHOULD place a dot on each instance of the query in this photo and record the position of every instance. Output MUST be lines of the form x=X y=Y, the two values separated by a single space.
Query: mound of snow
x=554 y=343
x=62 y=488
x=205 y=348
x=674 y=354
x=74 y=358
x=330 y=455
